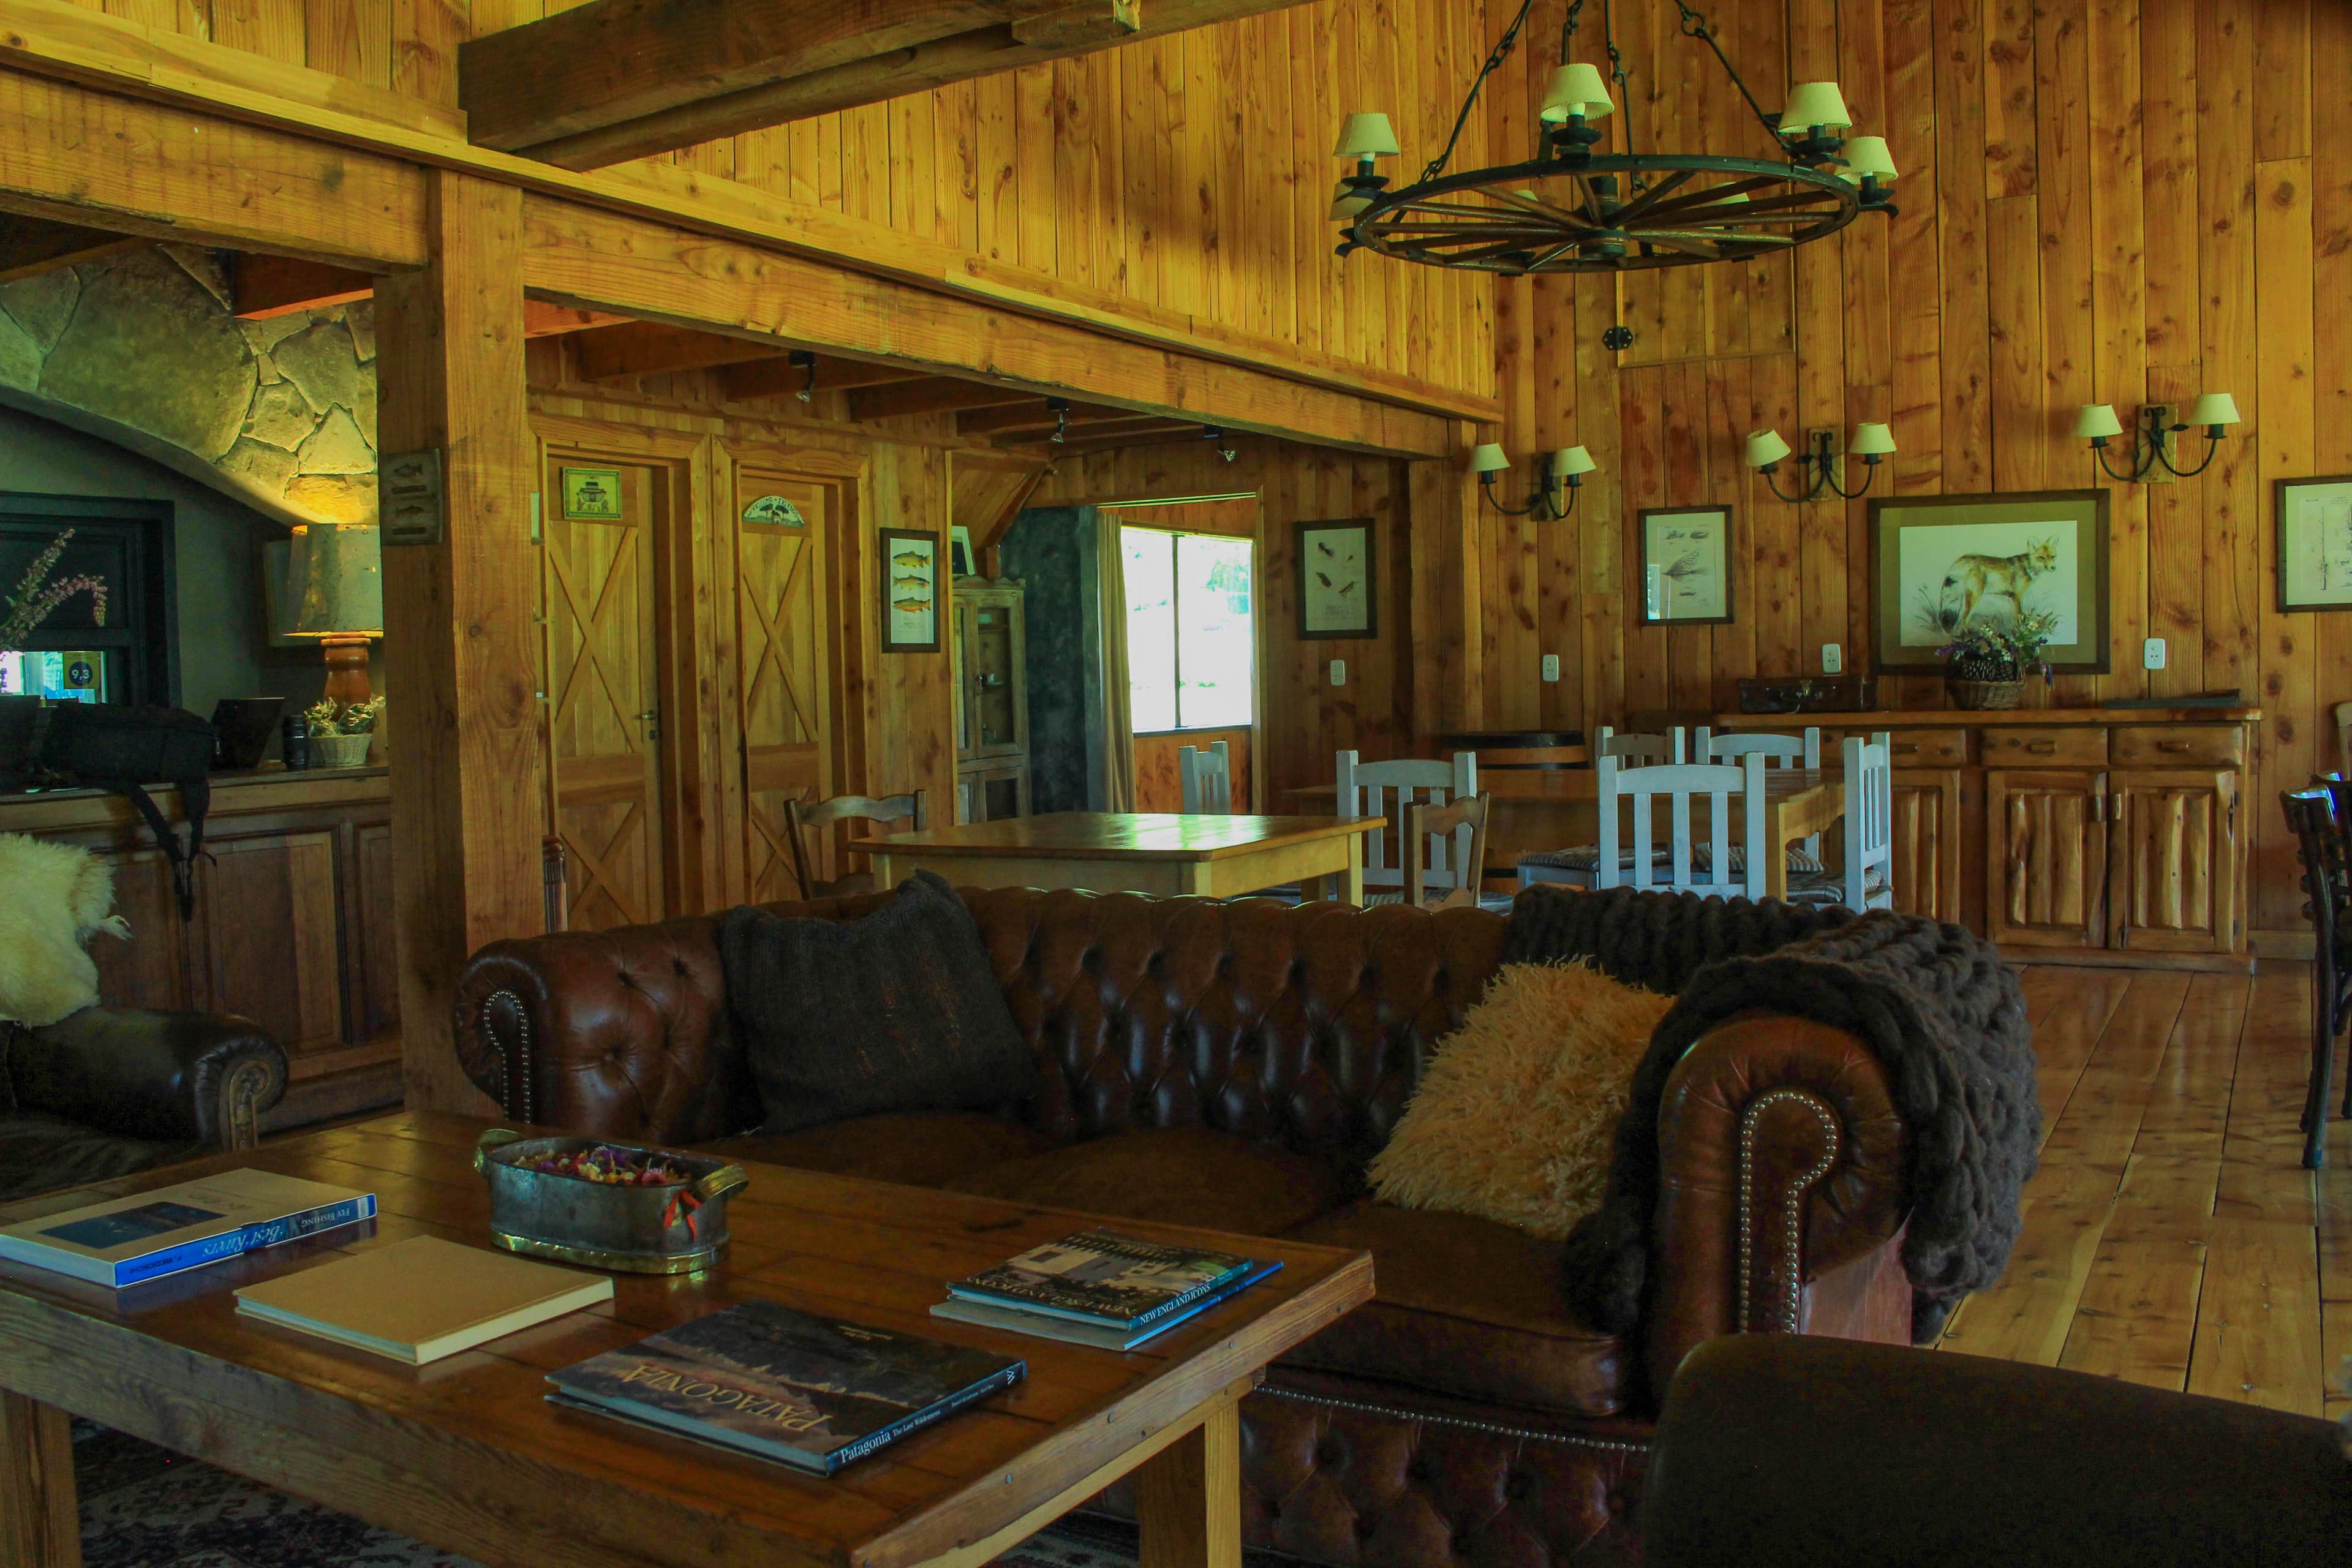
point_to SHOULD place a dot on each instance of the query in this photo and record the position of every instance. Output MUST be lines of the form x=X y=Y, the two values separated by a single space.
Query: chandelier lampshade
x=1576 y=90
x=1814 y=103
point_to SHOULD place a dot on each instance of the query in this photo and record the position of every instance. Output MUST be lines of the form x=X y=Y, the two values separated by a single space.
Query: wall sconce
x=1869 y=442
x=1550 y=501
x=2097 y=423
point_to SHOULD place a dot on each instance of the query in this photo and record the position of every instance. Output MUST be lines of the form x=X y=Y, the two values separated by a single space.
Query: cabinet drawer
x=2179 y=746
x=1912 y=748
x=2023 y=747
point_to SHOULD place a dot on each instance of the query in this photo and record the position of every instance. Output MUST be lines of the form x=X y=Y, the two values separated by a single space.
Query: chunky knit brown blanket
x=1934 y=1002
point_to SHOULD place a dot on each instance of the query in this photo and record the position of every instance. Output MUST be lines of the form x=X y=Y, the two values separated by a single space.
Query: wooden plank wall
x=2115 y=201
x=1190 y=173
x=1305 y=717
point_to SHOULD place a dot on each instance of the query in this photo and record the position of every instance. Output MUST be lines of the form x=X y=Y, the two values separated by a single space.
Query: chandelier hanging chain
x=1694 y=25
x=1502 y=52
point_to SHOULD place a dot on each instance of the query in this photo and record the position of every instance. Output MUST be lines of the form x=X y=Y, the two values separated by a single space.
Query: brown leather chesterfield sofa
x=1234 y=1065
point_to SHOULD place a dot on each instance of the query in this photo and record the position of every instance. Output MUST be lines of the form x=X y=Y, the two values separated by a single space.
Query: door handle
x=2042 y=748
x=2174 y=746
x=651 y=718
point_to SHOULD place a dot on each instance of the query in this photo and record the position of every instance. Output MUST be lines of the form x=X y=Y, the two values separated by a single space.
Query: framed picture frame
x=2315 y=543
x=911 y=583
x=591 y=495
x=1686 y=565
x=1338 y=579
x=1937 y=562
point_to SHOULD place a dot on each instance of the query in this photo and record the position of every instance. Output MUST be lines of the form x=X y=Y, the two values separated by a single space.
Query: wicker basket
x=1979 y=695
x=340 y=750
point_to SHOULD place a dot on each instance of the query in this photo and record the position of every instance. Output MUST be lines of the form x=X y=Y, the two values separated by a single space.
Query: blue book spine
x=230 y=1243
x=851 y=1452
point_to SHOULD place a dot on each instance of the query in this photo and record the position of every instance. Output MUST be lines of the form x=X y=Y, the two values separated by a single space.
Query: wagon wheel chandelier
x=1573 y=208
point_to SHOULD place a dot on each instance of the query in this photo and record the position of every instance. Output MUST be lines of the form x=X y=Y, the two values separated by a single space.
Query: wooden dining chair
x=1660 y=855
x=1865 y=880
x=1778 y=751
x=1462 y=820
x=1574 y=866
x=1366 y=790
x=842 y=808
x=1207 y=775
x=2311 y=816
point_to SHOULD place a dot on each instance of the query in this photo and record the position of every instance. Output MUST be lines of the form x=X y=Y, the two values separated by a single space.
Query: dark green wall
x=1050 y=551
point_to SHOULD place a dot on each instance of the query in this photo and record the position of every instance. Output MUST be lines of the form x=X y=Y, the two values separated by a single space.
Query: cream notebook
x=420 y=1300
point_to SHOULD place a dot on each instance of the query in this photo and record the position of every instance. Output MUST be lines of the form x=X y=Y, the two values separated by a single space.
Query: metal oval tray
x=635 y=1230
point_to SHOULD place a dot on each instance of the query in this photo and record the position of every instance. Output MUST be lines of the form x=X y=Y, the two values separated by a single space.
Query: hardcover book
x=1101 y=1336
x=758 y=1378
x=423 y=1299
x=1102 y=1278
x=124 y=1241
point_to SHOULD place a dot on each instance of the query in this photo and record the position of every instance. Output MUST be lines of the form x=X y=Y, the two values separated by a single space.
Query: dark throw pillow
x=898 y=1011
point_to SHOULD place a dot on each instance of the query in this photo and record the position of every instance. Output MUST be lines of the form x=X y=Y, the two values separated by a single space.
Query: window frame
x=1176 y=610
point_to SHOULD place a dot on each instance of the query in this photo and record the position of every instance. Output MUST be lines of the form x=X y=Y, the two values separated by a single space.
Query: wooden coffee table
x=467 y=1455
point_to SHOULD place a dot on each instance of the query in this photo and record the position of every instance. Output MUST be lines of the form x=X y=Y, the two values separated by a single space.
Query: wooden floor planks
x=2171 y=1236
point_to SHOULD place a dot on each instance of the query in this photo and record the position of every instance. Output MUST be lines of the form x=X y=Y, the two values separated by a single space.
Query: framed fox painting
x=1938 y=563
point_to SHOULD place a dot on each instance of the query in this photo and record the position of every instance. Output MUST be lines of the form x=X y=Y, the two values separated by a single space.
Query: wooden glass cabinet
x=991 y=700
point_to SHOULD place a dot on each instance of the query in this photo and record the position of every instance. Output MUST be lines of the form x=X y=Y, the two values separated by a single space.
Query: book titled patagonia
x=126 y=1241
x=758 y=1378
x=1102 y=1278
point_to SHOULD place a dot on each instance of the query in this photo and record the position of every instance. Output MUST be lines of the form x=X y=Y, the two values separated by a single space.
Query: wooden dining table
x=1555 y=809
x=1167 y=854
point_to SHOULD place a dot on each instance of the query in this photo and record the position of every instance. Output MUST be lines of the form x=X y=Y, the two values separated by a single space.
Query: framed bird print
x=1686 y=566
x=910 y=591
x=1338 y=592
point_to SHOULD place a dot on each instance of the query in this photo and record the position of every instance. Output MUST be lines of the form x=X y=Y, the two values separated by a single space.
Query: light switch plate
x=1832 y=659
x=1551 y=667
x=1338 y=672
x=2151 y=654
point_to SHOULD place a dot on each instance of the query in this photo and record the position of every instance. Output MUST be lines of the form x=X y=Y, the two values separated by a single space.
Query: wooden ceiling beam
x=1037 y=418
x=780 y=377
x=646 y=348
x=542 y=320
x=631 y=78
x=1098 y=430
x=936 y=395
x=262 y=286
x=1119 y=443
x=32 y=245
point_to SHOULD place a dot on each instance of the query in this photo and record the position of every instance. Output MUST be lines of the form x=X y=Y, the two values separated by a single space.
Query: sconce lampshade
x=1570 y=460
x=1766 y=448
x=1870 y=441
x=1366 y=136
x=1576 y=89
x=2214 y=409
x=2095 y=420
x=334 y=581
x=1868 y=155
x=1488 y=458
x=1812 y=103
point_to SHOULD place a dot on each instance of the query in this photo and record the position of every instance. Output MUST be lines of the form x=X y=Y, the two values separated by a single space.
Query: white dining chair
x=1778 y=751
x=1660 y=855
x=1866 y=880
x=1573 y=866
x=1207 y=774
x=1384 y=789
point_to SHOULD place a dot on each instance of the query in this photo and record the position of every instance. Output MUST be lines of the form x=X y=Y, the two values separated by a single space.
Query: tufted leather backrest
x=1304 y=1026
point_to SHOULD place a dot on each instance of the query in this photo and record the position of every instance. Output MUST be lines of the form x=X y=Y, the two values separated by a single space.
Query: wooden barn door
x=784 y=527
x=603 y=687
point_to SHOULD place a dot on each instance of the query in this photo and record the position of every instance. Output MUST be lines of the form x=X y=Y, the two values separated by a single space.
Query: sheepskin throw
x=57 y=895
x=1512 y=1118
x=1934 y=1002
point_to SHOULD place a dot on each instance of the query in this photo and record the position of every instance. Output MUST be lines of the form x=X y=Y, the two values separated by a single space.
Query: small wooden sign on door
x=591 y=495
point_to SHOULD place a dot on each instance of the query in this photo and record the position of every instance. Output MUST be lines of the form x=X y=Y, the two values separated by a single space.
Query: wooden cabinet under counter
x=2077 y=835
x=293 y=923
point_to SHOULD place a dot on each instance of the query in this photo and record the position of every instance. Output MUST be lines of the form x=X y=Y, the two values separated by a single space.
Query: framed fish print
x=1338 y=588
x=1686 y=566
x=910 y=591
x=2315 y=543
x=1938 y=563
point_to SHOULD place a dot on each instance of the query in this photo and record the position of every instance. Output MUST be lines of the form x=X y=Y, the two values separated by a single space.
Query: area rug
x=145 y=1506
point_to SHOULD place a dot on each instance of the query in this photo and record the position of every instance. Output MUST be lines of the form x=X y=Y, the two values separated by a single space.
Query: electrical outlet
x=2151 y=654
x=1551 y=667
x=1338 y=672
x=1832 y=659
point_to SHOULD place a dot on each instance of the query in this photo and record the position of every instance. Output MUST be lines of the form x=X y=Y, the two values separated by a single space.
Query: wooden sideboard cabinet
x=293 y=924
x=2095 y=835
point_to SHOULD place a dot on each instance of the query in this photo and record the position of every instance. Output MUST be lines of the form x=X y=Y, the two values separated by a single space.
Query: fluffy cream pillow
x=1515 y=1112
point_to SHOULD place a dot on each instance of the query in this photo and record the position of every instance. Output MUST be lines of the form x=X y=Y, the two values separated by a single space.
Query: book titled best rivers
x=124 y=1241
x=764 y=1379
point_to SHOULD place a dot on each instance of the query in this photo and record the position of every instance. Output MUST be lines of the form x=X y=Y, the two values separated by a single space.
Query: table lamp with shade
x=334 y=593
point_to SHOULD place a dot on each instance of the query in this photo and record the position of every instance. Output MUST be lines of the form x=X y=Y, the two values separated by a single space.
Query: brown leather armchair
x=1234 y=1065
x=110 y=1090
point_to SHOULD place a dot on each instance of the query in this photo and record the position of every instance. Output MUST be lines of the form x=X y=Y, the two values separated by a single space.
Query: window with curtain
x=1191 y=644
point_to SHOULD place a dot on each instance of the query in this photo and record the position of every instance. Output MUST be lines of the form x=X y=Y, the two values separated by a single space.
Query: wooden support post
x=40 y=1522
x=461 y=653
x=1188 y=1497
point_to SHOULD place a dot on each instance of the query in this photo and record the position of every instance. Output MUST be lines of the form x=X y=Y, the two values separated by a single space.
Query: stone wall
x=141 y=348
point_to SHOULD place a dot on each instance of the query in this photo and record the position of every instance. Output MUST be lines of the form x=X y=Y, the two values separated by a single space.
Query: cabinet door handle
x=2174 y=746
x=2042 y=748
x=1905 y=751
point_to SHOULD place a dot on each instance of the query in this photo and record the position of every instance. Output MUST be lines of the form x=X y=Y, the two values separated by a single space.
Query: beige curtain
x=1118 y=726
